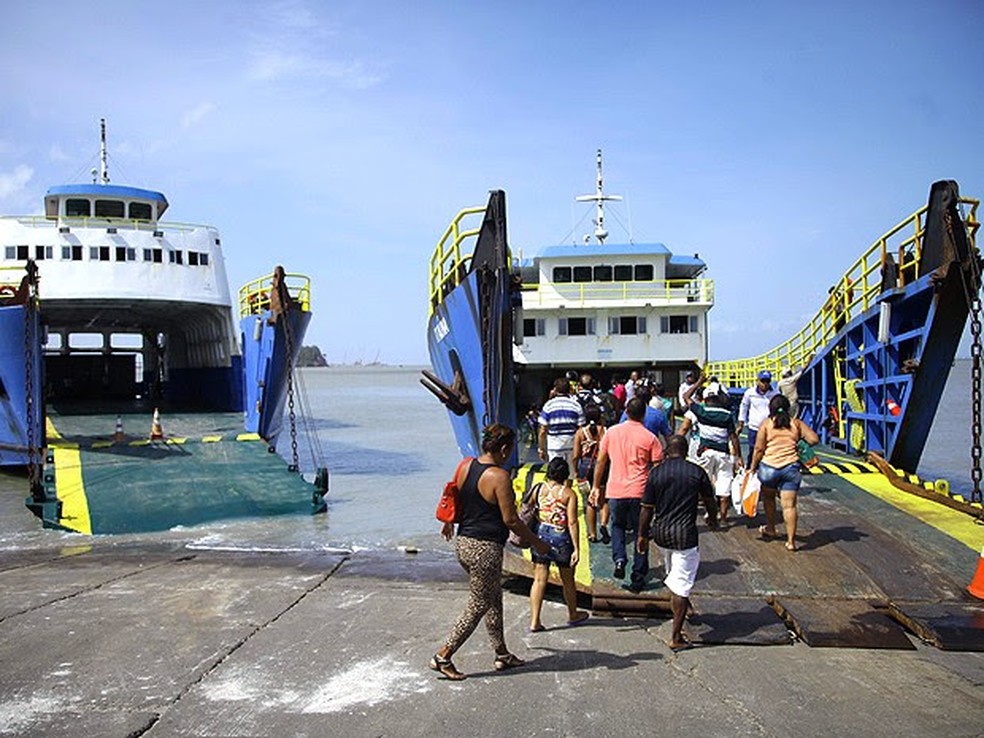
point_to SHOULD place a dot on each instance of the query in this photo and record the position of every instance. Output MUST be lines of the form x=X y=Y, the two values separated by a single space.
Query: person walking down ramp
x=559 y=420
x=558 y=528
x=630 y=450
x=777 y=462
x=487 y=512
x=669 y=515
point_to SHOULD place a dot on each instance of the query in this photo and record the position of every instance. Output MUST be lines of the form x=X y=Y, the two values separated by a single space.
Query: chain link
x=975 y=398
x=30 y=342
x=291 y=414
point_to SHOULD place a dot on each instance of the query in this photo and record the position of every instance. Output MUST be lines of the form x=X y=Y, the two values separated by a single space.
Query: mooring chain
x=295 y=463
x=485 y=307
x=33 y=456
x=975 y=398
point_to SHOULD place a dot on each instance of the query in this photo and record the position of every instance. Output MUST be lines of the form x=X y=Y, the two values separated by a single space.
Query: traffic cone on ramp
x=976 y=586
x=118 y=436
x=156 y=432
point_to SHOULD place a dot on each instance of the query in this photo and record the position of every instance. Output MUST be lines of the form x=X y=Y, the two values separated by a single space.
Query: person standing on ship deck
x=655 y=419
x=486 y=514
x=630 y=451
x=560 y=418
x=787 y=386
x=754 y=408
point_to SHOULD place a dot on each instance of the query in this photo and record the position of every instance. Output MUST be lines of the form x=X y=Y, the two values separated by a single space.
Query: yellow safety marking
x=143 y=442
x=69 y=487
x=211 y=439
x=248 y=437
x=177 y=441
x=957 y=525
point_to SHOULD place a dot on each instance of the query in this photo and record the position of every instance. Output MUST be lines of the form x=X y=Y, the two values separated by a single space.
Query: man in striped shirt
x=669 y=504
x=559 y=420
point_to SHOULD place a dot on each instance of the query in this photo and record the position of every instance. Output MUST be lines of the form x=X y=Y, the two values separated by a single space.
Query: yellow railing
x=254 y=297
x=448 y=265
x=853 y=293
x=673 y=291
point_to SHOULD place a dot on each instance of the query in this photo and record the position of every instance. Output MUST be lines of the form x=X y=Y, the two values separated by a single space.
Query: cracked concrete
x=163 y=641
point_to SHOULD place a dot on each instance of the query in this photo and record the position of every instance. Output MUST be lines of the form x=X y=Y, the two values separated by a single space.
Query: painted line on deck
x=69 y=487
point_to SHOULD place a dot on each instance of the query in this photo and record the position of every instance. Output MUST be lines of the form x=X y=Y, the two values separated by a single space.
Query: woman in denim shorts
x=777 y=462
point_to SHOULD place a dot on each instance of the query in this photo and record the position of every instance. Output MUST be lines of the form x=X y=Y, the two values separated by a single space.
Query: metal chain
x=295 y=464
x=30 y=339
x=975 y=398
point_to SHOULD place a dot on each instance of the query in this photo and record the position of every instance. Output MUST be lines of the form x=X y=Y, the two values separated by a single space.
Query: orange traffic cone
x=893 y=406
x=976 y=586
x=156 y=432
x=118 y=435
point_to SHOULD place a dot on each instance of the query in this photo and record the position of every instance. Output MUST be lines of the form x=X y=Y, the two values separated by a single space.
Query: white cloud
x=57 y=154
x=14 y=182
x=196 y=115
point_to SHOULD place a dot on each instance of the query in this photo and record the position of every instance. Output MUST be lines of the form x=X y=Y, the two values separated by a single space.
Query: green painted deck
x=204 y=470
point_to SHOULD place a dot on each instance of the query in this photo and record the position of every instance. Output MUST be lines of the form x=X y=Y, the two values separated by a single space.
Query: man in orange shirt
x=631 y=451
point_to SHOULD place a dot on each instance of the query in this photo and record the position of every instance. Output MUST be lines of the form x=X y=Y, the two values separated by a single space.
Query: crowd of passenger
x=640 y=460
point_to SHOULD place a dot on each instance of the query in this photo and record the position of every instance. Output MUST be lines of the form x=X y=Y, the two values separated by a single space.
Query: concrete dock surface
x=166 y=640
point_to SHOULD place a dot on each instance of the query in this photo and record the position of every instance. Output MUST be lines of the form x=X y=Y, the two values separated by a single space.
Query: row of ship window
x=604 y=273
x=78 y=208
x=622 y=325
x=105 y=253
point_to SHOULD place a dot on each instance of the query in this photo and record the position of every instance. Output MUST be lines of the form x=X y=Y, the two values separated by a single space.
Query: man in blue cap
x=755 y=408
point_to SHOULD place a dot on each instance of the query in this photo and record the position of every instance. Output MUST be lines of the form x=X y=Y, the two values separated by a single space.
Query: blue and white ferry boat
x=106 y=308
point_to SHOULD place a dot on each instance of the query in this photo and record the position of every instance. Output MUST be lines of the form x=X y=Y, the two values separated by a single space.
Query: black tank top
x=478 y=518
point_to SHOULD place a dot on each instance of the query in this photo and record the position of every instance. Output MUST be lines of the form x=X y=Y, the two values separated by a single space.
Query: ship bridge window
x=43 y=252
x=582 y=274
x=126 y=253
x=644 y=273
x=99 y=253
x=140 y=211
x=17 y=252
x=627 y=325
x=602 y=273
x=623 y=272
x=577 y=327
x=109 y=209
x=562 y=274
x=154 y=255
x=534 y=327
x=678 y=324
x=175 y=257
x=72 y=253
x=77 y=208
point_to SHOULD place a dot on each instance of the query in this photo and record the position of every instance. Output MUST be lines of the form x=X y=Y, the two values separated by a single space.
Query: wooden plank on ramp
x=736 y=621
x=841 y=623
x=951 y=626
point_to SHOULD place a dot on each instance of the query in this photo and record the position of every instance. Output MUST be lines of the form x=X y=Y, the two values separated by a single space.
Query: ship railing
x=661 y=292
x=856 y=291
x=254 y=297
x=132 y=224
x=448 y=264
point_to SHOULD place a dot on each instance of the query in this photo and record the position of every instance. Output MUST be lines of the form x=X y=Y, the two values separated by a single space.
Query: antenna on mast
x=599 y=199
x=103 y=166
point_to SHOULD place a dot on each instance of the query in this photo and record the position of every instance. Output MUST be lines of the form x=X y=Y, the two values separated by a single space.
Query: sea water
x=389 y=449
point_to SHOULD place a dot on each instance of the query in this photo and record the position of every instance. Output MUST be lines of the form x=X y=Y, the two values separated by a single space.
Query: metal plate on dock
x=841 y=623
x=951 y=626
x=736 y=620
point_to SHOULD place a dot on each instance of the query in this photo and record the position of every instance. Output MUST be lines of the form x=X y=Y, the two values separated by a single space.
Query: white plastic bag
x=744 y=493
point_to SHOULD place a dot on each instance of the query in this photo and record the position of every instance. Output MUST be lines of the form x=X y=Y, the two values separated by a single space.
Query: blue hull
x=470 y=332
x=14 y=401
x=267 y=364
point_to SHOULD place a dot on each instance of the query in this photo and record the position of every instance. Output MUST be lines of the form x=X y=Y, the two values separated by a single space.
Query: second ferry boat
x=502 y=328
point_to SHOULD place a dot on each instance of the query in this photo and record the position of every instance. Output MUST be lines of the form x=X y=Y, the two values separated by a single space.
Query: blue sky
x=777 y=140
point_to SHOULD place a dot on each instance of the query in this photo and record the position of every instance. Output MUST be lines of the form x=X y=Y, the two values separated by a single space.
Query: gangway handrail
x=852 y=294
x=254 y=296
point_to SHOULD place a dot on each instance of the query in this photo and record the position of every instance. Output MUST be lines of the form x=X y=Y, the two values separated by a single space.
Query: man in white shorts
x=717 y=450
x=669 y=505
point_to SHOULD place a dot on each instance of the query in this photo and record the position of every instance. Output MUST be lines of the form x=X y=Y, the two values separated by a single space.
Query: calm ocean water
x=389 y=448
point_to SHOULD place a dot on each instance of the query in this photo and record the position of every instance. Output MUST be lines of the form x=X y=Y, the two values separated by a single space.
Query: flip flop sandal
x=765 y=535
